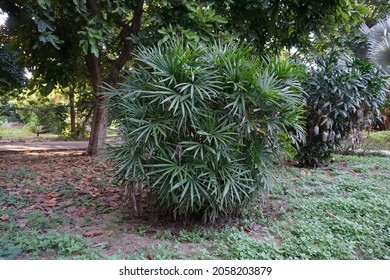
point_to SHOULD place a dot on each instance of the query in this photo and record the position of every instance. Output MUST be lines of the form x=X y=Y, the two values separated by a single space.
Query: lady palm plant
x=344 y=97
x=202 y=125
x=379 y=53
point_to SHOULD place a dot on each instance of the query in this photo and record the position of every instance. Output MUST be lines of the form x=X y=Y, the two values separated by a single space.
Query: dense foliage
x=11 y=74
x=202 y=125
x=274 y=25
x=92 y=41
x=345 y=96
x=379 y=43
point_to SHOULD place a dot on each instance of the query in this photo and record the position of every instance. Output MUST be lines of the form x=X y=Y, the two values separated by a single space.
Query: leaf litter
x=81 y=191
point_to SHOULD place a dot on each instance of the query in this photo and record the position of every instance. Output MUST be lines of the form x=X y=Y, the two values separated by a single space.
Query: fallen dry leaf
x=99 y=245
x=40 y=207
x=51 y=202
x=330 y=214
x=132 y=228
x=55 y=195
x=14 y=193
x=93 y=233
x=36 y=206
x=4 y=217
x=150 y=256
x=110 y=233
x=254 y=227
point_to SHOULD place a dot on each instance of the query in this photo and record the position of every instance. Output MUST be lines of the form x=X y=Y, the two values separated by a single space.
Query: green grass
x=344 y=216
x=10 y=133
x=34 y=244
x=379 y=140
x=39 y=238
x=324 y=215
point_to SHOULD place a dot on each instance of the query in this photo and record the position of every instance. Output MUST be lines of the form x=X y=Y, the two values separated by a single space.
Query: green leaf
x=44 y=3
x=95 y=50
x=84 y=45
x=203 y=158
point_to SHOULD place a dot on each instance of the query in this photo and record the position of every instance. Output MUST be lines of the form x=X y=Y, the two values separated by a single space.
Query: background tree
x=11 y=73
x=353 y=41
x=64 y=41
x=97 y=37
x=274 y=25
x=344 y=97
x=378 y=41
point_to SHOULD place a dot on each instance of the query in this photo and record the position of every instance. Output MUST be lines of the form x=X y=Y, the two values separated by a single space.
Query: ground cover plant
x=55 y=206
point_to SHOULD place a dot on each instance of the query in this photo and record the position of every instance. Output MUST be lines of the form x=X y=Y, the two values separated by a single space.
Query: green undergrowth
x=339 y=211
x=377 y=140
x=20 y=134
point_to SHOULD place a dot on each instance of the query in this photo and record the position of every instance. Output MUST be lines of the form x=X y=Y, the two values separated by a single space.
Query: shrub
x=202 y=124
x=51 y=117
x=344 y=97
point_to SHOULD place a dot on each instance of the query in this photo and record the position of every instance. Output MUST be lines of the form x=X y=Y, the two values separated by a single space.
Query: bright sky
x=2 y=17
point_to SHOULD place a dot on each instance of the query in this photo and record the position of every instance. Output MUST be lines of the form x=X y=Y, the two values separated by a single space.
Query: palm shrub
x=378 y=40
x=344 y=96
x=378 y=37
x=202 y=125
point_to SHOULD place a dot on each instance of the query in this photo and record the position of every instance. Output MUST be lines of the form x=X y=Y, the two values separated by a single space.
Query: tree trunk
x=100 y=117
x=84 y=124
x=99 y=126
x=386 y=121
x=72 y=114
x=100 y=112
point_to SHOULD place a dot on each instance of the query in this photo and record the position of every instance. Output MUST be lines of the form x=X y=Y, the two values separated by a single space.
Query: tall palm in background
x=378 y=38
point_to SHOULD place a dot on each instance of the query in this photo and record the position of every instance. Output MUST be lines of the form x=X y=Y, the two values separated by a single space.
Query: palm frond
x=204 y=124
x=379 y=43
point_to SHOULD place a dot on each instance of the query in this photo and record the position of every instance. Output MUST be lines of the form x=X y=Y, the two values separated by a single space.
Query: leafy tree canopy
x=70 y=25
x=63 y=41
x=11 y=74
x=272 y=25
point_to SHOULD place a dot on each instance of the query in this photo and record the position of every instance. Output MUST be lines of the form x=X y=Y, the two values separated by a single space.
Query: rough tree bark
x=84 y=124
x=72 y=113
x=100 y=117
x=386 y=121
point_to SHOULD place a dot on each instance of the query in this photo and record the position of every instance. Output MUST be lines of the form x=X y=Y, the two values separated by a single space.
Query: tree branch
x=128 y=45
x=92 y=5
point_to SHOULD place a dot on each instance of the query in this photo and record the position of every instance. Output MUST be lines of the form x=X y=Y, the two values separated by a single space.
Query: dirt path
x=43 y=146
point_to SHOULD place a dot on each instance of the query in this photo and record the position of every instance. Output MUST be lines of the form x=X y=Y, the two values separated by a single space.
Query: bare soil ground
x=79 y=190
